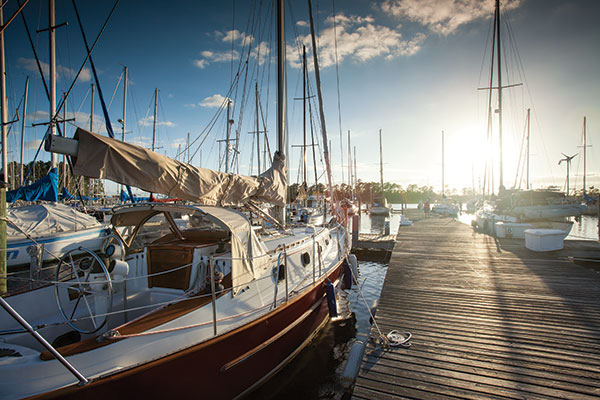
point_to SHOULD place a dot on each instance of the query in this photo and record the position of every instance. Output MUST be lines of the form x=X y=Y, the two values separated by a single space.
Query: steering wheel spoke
x=85 y=300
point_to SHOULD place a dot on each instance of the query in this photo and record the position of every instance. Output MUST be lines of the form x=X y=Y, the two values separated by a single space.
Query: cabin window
x=153 y=229
x=305 y=257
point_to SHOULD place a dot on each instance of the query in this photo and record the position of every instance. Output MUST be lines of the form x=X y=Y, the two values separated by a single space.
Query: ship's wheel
x=83 y=290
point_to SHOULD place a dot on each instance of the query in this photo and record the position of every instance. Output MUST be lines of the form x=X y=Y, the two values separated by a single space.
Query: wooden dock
x=489 y=319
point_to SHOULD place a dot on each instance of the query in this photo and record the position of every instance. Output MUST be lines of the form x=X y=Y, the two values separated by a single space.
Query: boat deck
x=490 y=319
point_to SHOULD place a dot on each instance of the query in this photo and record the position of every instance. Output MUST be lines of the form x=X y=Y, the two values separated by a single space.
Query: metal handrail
x=82 y=379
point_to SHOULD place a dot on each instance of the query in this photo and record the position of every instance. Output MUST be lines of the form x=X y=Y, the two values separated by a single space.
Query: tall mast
x=349 y=162
x=257 y=133
x=281 y=100
x=499 y=74
x=380 y=163
x=320 y=97
x=4 y=120
x=304 y=111
x=355 y=174
x=23 y=126
x=64 y=132
x=228 y=136
x=528 y=132
x=155 y=116
x=124 y=103
x=52 y=68
x=91 y=111
x=584 y=153
x=443 y=186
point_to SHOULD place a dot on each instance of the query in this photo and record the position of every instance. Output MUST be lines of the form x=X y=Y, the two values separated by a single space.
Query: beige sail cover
x=106 y=158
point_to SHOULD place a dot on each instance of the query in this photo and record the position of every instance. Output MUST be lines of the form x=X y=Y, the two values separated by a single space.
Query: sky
x=410 y=68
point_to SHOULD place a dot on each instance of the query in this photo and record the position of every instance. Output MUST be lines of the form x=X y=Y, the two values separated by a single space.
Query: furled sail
x=102 y=157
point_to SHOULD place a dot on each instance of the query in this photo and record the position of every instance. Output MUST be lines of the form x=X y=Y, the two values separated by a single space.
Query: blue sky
x=410 y=68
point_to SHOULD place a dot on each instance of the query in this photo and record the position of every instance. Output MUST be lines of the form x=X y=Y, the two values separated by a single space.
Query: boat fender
x=331 y=302
x=353 y=362
x=354 y=264
x=347 y=275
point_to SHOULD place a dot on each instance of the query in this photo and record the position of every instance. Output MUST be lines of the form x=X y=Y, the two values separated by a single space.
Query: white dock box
x=544 y=239
x=512 y=230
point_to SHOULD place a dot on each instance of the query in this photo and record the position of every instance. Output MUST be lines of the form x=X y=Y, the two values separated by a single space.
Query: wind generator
x=568 y=161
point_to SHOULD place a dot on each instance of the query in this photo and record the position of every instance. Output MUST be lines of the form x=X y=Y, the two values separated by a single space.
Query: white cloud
x=38 y=116
x=216 y=100
x=201 y=63
x=359 y=39
x=235 y=35
x=32 y=144
x=149 y=121
x=443 y=16
x=30 y=65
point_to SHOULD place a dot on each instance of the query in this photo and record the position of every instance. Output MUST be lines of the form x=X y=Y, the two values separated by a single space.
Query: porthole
x=305 y=257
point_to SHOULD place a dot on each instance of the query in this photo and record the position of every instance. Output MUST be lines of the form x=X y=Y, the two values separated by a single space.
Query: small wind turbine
x=568 y=160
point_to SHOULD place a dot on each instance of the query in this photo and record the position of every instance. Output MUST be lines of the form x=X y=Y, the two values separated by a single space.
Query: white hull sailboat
x=182 y=299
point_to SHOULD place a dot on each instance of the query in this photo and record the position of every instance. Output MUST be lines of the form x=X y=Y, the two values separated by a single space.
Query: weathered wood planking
x=490 y=319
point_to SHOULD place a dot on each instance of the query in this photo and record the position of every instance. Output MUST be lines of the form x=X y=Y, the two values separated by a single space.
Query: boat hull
x=228 y=366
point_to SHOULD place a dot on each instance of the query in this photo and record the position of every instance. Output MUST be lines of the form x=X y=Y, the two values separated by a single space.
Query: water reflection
x=316 y=372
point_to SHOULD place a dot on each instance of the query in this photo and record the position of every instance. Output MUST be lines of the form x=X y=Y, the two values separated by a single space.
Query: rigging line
x=337 y=80
x=61 y=104
x=102 y=103
x=116 y=88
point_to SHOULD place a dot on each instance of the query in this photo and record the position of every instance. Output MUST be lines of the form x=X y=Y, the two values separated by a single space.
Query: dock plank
x=489 y=318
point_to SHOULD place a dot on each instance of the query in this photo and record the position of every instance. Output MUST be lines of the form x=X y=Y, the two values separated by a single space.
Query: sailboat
x=515 y=211
x=380 y=205
x=184 y=298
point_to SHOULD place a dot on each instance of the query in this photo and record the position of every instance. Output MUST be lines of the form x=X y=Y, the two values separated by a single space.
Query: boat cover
x=45 y=188
x=40 y=220
x=248 y=253
x=102 y=157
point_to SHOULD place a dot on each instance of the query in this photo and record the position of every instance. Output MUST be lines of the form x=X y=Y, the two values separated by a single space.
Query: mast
x=91 y=130
x=499 y=74
x=304 y=111
x=123 y=121
x=257 y=134
x=349 y=163
x=23 y=127
x=355 y=174
x=155 y=116
x=4 y=118
x=320 y=97
x=443 y=186
x=64 y=132
x=91 y=112
x=584 y=153
x=380 y=163
x=52 y=68
x=281 y=145
x=228 y=136
x=187 y=146
x=528 y=132
x=124 y=103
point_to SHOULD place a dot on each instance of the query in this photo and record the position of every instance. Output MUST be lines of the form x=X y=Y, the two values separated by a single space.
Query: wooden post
x=355 y=228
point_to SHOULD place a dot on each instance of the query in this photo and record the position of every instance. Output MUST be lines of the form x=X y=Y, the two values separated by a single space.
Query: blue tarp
x=125 y=198
x=589 y=199
x=43 y=189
